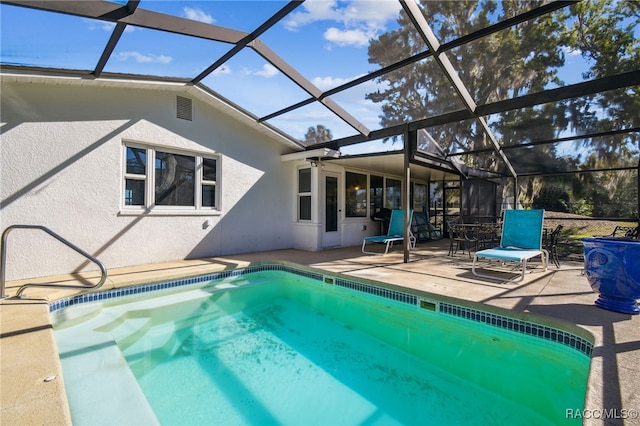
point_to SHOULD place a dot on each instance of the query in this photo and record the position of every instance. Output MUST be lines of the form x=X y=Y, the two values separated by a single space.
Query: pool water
x=278 y=348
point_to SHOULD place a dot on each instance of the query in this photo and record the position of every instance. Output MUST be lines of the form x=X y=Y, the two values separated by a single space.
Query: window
x=209 y=178
x=376 y=192
x=356 y=195
x=393 y=194
x=304 y=194
x=135 y=177
x=176 y=180
x=420 y=199
x=385 y=192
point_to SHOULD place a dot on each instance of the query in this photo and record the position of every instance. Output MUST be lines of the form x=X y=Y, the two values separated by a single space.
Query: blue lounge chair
x=395 y=233
x=521 y=240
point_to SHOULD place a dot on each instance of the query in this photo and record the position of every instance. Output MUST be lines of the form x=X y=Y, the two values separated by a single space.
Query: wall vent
x=184 y=108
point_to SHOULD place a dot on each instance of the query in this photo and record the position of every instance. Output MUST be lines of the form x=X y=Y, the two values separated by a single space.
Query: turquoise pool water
x=272 y=347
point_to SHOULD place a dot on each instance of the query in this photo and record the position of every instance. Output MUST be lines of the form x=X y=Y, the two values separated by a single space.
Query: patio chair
x=521 y=241
x=551 y=244
x=422 y=228
x=456 y=238
x=395 y=233
x=488 y=235
x=461 y=237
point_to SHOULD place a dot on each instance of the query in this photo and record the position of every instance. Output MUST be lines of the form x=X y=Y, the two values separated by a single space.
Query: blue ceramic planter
x=612 y=267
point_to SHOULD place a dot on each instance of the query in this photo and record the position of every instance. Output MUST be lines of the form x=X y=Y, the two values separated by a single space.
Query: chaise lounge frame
x=521 y=241
x=395 y=233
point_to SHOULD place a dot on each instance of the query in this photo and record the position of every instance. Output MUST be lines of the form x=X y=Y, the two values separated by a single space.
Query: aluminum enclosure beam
x=131 y=6
x=288 y=8
x=415 y=14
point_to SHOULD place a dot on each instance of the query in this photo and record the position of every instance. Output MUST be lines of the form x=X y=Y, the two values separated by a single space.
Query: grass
x=576 y=228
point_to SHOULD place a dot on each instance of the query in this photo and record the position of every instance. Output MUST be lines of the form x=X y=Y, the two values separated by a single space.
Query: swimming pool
x=278 y=344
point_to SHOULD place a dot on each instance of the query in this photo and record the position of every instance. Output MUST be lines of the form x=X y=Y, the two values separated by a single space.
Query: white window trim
x=204 y=182
x=150 y=208
x=303 y=194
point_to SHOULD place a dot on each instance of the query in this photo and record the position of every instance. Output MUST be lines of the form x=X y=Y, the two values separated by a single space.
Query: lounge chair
x=521 y=240
x=395 y=233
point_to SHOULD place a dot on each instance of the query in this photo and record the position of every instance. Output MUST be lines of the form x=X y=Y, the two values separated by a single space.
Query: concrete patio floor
x=29 y=355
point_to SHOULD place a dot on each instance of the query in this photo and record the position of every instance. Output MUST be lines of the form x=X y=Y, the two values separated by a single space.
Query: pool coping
x=528 y=324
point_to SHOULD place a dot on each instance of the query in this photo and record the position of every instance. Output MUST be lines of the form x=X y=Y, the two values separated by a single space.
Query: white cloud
x=94 y=25
x=326 y=83
x=224 y=69
x=144 y=59
x=315 y=10
x=571 y=52
x=377 y=11
x=105 y=25
x=357 y=22
x=198 y=15
x=267 y=71
x=347 y=37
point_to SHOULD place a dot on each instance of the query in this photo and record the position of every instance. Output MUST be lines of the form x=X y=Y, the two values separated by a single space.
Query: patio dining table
x=466 y=235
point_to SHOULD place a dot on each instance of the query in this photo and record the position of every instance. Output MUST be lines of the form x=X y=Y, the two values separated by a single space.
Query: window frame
x=387 y=200
x=135 y=177
x=300 y=194
x=371 y=209
x=209 y=183
x=149 y=206
x=347 y=213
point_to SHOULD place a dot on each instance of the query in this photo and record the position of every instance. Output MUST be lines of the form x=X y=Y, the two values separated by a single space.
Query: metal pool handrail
x=3 y=261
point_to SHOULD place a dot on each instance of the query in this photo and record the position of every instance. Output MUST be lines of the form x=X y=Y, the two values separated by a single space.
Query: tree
x=513 y=62
x=604 y=33
x=317 y=134
x=552 y=197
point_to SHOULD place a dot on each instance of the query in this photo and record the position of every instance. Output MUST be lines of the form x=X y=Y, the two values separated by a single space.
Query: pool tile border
x=519 y=326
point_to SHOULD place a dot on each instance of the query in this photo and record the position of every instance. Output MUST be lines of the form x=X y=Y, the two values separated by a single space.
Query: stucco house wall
x=62 y=167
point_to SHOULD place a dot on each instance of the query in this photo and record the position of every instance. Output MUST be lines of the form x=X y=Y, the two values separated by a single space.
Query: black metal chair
x=624 y=232
x=551 y=244
x=488 y=235
x=457 y=240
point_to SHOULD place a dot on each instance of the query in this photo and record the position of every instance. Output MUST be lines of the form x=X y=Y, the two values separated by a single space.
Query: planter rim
x=609 y=240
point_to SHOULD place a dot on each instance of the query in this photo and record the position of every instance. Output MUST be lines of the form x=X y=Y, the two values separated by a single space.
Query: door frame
x=330 y=238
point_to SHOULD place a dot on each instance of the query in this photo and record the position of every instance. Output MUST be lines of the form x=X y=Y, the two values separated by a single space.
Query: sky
x=325 y=40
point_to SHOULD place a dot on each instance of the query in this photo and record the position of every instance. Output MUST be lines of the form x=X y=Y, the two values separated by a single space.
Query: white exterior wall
x=308 y=235
x=62 y=167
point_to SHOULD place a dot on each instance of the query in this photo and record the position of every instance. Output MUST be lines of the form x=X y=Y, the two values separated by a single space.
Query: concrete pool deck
x=29 y=355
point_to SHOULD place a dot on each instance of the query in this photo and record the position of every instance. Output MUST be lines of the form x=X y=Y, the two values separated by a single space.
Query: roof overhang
x=392 y=164
x=316 y=154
